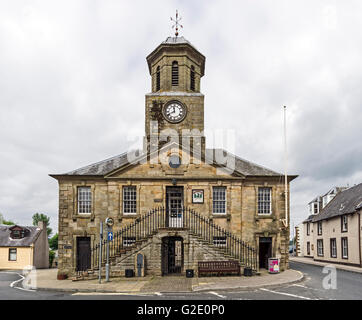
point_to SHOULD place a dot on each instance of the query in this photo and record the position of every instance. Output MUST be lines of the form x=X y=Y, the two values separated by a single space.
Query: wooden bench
x=218 y=267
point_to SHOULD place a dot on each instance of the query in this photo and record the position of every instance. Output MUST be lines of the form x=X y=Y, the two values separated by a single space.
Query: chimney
x=42 y=225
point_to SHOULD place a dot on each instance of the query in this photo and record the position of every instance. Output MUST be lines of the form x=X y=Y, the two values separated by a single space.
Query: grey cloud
x=73 y=78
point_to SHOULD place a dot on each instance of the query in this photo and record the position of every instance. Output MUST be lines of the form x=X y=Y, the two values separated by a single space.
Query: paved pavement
x=46 y=280
x=348 y=286
x=318 y=263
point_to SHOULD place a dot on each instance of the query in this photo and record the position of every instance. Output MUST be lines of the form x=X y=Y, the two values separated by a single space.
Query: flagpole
x=285 y=167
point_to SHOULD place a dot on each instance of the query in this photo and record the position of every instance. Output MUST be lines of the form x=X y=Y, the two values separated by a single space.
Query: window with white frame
x=333 y=248
x=320 y=247
x=129 y=241
x=308 y=228
x=84 y=200
x=345 y=248
x=308 y=248
x=264 y=201
x=12 y=254
x=219 y=241
x=344 y=223
x=219 y=200
x=129 y=200
x=319 y=225
x=315 y=207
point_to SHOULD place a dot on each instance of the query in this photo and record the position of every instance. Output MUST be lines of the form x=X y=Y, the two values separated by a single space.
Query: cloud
x=74 y=75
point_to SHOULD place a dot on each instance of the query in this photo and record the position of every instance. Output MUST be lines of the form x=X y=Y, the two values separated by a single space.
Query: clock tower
x=175 y=107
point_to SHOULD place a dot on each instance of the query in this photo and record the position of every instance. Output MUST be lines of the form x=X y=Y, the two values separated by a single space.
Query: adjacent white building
x=333 y=234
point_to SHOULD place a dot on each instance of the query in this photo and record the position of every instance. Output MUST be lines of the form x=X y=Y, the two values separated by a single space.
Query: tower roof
x=171 y=43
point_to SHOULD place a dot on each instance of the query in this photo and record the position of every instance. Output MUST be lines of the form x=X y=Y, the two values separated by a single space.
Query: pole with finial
x=177 y=24
x=285 y=168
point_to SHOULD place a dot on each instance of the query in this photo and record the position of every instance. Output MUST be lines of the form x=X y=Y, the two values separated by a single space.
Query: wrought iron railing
x=205 y=229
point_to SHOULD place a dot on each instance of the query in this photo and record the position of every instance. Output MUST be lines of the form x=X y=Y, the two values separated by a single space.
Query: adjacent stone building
x=175 y=202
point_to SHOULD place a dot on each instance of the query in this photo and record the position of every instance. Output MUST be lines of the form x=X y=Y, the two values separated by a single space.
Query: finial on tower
x=177 y=20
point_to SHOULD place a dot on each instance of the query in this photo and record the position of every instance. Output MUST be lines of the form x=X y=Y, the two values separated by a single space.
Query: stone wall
x=241 y=218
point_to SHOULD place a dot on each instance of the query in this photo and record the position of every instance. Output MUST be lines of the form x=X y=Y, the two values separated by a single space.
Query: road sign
x=110 y=236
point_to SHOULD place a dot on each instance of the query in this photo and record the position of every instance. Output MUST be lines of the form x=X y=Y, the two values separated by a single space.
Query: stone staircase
x=198 y=234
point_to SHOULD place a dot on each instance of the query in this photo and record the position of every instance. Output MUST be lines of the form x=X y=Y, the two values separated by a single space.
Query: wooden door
x=83 y=253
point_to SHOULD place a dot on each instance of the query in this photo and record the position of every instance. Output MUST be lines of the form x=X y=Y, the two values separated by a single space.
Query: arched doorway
x=172 y=255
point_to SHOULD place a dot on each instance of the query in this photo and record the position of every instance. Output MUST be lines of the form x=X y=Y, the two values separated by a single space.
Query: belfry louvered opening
x=158 y=79
x=192 y=78
x=174 y=74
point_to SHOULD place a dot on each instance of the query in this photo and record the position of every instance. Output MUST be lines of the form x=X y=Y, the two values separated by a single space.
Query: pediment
x=157 y=165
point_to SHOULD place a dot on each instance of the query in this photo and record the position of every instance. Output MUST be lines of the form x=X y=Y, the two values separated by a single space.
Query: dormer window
x=315 y=208
x=158 y=79
x=174 y=74
x=192 y=78
x=17 y=232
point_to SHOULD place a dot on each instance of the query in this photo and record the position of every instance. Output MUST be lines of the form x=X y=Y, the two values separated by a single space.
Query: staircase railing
x=159 y=218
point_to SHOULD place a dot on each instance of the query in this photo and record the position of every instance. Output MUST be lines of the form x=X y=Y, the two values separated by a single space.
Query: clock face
x=174 y=111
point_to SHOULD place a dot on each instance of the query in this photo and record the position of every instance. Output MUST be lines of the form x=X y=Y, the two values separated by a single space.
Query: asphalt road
x=348 y=286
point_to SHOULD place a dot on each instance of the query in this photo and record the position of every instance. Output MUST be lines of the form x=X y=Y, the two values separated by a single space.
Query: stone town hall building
x=175 y=203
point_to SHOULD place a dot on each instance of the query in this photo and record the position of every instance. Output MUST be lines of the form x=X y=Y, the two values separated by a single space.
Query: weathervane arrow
x=177 y=24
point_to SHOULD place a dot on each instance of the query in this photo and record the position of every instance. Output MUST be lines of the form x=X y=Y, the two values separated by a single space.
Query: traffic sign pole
x=100 y=253
x=107 y=264
x=109 y=223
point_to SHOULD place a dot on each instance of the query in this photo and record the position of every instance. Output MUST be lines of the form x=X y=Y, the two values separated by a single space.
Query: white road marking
x=218 y=295
x=106 y=294
x=16 y=281
x=158 y=294
x=286 y=294
x=305 y=287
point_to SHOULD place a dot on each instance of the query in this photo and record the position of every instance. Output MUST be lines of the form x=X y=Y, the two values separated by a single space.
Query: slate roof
x=242 y=166
x=171 y=41
x=29 y=239
x=344 y=202
x=176 y=40
x=335 y=190
x=316 y=199
x=310 y=218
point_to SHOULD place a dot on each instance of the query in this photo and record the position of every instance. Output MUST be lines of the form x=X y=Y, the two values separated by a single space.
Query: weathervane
x=176 y=23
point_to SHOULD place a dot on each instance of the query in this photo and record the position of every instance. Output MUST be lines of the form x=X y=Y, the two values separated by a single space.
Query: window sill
x=220 y=216
x=83 y=216
x=265 y=216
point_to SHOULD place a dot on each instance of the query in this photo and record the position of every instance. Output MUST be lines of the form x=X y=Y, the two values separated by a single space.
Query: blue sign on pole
x=110 y=236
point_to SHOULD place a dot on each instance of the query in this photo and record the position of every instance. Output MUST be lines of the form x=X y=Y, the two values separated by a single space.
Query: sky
x=73 y=76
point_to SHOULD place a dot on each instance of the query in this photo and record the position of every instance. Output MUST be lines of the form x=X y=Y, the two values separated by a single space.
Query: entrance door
x=83 y=253
x=172 y=255
x=265 y=251
x=174 y=208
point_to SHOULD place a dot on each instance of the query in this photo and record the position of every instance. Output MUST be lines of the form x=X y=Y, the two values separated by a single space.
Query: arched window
x=192 y=78
x=174 y=74
x=158 y=79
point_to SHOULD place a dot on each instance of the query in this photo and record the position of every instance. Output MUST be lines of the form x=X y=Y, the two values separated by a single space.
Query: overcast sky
x=73 y=76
